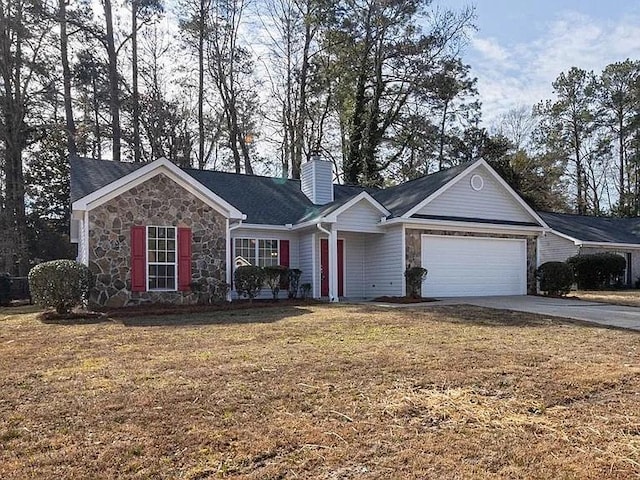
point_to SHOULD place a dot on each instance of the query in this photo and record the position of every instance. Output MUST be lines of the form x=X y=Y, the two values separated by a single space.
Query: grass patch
x=319 y=391
x=629 y=298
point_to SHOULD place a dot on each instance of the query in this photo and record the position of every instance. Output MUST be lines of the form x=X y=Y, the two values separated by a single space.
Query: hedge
x=598 y=270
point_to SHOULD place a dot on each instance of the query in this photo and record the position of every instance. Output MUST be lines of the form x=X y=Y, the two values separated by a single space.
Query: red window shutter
x=138 y=259
x=184 y=258
x=284 y=253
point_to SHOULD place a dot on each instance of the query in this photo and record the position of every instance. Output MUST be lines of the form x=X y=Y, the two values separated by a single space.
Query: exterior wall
x=413 y=256
x=384 y=269
x=493 y=202
x=305 y=257
x=158 y=201
x=293 y=238
x=265 y=234
x=354 y=263
x=554 y=248
x=361 y=217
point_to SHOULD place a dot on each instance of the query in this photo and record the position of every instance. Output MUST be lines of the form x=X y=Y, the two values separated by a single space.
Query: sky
x=521 y=46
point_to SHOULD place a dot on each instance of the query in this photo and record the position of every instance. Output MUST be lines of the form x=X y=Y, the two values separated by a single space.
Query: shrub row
x=250 y=279
x=589 y=272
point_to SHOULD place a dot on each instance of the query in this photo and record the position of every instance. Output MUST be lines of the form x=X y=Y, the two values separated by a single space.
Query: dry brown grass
x=616 y=297
x=321 y=392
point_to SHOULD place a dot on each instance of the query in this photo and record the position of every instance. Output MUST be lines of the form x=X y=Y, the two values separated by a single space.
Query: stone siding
x=157 y=202
x=413 y=248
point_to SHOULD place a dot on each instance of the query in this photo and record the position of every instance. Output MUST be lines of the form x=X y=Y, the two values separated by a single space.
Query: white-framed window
x=260 y=252
x=162 y=261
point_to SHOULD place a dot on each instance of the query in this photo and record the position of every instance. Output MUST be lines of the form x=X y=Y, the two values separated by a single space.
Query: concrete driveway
x=600 y=313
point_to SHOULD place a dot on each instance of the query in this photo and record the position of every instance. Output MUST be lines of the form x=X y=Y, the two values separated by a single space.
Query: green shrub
x=210 y=290
x=414 y=276
x=248 y=280
x=61 y=284
x=555 y=278
x=5 y=289
x=275 y=277
x=294 y=281
x=598 y=270
x=305 y=290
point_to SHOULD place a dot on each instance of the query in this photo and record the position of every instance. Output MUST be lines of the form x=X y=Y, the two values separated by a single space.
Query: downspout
x=229 y=262
x=85 y=239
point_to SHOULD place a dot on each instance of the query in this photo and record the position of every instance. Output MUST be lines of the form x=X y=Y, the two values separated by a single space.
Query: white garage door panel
x=473 y=266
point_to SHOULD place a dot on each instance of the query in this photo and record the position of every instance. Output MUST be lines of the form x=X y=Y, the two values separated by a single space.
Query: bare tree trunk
x=66 y=79
x=623 y=207
x=443 y=124
x=114 y=94
x=201 y=37
x=579 y=174
x=137 y=154
x=96 y=119
x=302 y=101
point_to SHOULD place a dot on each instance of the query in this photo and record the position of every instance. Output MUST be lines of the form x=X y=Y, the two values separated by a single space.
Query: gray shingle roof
x=594 y=229
x=265 y=200
x=402 y=198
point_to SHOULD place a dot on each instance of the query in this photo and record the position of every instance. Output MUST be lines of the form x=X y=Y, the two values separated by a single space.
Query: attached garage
x=473 y=266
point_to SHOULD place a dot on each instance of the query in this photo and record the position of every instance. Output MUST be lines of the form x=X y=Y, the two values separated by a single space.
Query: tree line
x=258 y=86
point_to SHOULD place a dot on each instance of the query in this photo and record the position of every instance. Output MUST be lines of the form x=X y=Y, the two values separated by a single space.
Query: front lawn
x=319 y=391
x=616 y=297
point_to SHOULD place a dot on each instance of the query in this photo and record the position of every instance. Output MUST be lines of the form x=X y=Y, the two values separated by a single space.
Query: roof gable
x=149 y=170
x=476 y=193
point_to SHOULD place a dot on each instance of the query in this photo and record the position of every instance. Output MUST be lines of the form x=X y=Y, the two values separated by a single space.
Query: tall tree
x=385 y=53
x=195 y=27
x=451 y=89
x=619 y=99
x=66 y=78
x=114 y=79
x=231 y=67
x=25 y=39
x=569 y=123
x=144 y=10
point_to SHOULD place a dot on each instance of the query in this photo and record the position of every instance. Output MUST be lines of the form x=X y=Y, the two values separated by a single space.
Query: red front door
x=324 y=266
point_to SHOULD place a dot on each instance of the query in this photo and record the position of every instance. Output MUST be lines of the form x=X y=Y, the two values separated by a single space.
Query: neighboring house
x=580 y=234
x=149 y=231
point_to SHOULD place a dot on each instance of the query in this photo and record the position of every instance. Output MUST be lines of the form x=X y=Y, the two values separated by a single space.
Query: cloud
x=490 y=50
x=522 y=73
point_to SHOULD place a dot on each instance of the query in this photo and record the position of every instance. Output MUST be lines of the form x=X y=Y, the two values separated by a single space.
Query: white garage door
x=473 y=266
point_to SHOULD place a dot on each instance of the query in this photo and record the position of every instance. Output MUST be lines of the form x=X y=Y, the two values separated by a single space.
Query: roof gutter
x=471 y=226
x=608 y=245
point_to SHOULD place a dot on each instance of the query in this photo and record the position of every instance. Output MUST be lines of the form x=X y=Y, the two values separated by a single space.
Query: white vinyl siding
x=492 y=202
x=354 y=263
x=316 y=181
x=384 y=266
x=361 y=217
x=473 y=266
x=554 y=248
x=305 y=262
